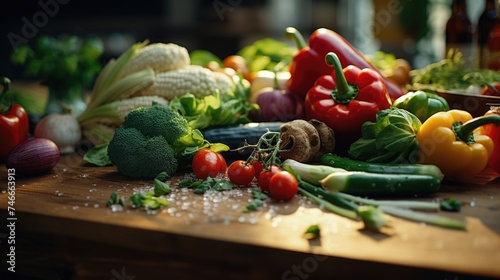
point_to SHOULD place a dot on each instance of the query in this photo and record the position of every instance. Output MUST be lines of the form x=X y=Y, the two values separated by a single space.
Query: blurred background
x=411 y=29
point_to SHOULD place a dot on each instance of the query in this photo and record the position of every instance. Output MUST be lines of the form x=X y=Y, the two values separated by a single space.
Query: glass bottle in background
x=484 y=25
x=493 y=60
x=459 y=31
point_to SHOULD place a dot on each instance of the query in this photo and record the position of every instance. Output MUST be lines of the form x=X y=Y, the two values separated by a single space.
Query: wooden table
x=63 y=230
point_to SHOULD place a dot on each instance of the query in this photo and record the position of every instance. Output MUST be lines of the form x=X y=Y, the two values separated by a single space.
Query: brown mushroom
x=300 y=141
x=326 y=136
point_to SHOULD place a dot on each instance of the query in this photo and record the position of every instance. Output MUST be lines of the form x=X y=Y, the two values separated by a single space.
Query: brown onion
x=33 y=156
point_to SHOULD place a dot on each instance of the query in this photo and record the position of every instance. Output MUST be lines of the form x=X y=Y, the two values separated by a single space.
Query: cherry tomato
x=265 y=177
x=283 y=186
x=240 y=172
x=258 y=166
x=208 y=163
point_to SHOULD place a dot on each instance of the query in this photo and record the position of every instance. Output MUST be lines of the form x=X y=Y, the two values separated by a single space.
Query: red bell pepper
x=345 y=99
x=308 y=63
x=14 y=124
x=493 y=131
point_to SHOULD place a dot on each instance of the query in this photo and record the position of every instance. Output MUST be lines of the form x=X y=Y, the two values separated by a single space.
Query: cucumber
x=382 y=168
x=235 y=136
x=377 y=184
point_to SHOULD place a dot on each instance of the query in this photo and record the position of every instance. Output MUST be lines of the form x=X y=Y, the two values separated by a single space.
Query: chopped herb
x=137 y=199
x=161 y=188
x=258 y=194
x=259 y=199
x=163 y=176
x=114 y=199
x=312 y=232
x=373 y=217
x=148 y=199
x=450 y=204
x=254 y=205
x=215 y=184
x=189 y=183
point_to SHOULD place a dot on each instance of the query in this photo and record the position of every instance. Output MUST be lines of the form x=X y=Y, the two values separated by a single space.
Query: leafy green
x=67 y=65
x=390 y=139
x=268 y=54
x=218 y=109
x=98 y=155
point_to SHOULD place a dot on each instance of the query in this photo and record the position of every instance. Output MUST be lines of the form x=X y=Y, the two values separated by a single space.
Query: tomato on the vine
x=207 y=163
x=258 y=166
x=257 y=163
x=240 y=172
x=265 y=177
x=283 y=186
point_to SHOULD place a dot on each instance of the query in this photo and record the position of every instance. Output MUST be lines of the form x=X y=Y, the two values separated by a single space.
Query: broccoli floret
x=138 y=156
x=152 y=140
x=158 y=120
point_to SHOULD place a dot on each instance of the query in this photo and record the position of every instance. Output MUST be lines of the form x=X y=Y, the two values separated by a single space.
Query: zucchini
x=236 y=136
x=377 y=184
x=382 y=168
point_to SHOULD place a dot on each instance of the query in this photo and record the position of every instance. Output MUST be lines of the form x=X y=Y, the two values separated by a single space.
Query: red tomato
x=258 y=166
x=240 y=173
x=208 y=163
x=283 y=186
x=265 y=177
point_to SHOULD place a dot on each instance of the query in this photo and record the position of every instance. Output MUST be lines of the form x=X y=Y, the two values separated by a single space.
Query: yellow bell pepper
x=456 y=143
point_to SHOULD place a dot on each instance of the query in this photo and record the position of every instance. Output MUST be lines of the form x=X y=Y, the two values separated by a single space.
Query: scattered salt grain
x=116 y=208
x=472 y=203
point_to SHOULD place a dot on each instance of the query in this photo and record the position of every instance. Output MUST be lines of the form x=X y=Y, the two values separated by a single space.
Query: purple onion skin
x=278 y=105
x=34 y=156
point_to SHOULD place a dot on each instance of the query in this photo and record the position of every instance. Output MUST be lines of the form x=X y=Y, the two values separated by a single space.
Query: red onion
x=278 y=105
x=33 y=156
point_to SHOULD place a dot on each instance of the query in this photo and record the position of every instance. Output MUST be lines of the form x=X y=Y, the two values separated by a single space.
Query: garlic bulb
x=63 y=129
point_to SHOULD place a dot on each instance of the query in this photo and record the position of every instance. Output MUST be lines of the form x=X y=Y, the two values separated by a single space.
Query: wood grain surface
x=64 y=230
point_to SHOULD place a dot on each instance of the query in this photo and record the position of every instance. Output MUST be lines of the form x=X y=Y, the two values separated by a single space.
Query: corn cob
x=115 y=112
x=98 y=132
x=196 y=80
x=223 y=82
x=160 y=57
